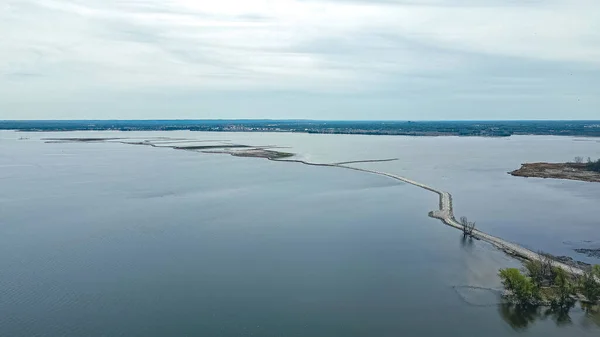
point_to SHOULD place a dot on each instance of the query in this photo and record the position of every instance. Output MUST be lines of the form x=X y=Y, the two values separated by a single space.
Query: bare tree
x=467 y=226
x=578 y=160
x=547 y=265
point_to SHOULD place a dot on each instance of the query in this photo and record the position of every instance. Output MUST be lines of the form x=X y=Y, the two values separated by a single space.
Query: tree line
x=543 y=284
x=591 y=165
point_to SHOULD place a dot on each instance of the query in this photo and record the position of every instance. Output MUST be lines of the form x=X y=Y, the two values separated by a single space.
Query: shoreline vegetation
x=549 y=281
x=576 y=170
x=543 y=285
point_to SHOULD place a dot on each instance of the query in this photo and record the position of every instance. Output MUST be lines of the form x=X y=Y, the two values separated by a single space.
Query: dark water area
x=121 y=240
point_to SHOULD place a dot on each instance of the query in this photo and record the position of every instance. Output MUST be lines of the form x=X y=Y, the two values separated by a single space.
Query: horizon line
x=299 y=119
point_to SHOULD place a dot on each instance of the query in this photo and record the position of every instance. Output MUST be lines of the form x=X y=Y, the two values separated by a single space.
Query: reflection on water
x=522 y=318
x=518 y=318
x=592 y=315
x=559 y=315
x=466 y=242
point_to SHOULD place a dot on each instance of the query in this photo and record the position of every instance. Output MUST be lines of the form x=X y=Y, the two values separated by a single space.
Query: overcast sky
x=316 y=59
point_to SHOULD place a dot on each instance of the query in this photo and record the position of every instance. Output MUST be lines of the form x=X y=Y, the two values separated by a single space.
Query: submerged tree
x=564 y=289
x=555 y=284
x=522 y=290
x=467 y=226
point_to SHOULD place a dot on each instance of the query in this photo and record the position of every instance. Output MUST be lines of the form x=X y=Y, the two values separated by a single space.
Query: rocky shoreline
x=570 y=171
x=589 y=252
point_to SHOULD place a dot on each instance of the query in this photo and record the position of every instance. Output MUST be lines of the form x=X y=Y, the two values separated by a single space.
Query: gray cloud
x=387 y=53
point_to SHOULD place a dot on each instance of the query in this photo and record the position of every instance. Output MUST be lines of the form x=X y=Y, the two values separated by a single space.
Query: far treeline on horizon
x=583 y=128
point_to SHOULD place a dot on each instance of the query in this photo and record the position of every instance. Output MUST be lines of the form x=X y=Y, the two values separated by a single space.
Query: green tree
x=589 y=285
x=564 y=288
x=523 y=290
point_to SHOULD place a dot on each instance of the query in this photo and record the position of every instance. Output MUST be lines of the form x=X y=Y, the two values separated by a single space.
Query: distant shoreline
x=390 y=128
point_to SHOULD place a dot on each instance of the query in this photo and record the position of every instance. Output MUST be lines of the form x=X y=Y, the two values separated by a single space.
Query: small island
x=543 y=285
x=576 y=170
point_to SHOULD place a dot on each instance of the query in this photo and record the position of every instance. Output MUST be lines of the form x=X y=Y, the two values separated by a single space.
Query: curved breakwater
x=445 y=213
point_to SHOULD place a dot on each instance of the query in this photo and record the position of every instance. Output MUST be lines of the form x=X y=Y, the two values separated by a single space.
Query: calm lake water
x=106 y=239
